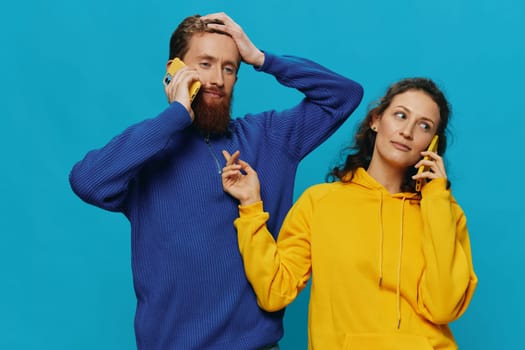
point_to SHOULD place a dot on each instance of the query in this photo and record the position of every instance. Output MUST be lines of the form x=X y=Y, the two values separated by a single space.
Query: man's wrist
x=259 y=61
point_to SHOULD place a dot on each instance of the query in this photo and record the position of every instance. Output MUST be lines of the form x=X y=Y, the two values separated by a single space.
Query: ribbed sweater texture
x=164 y=176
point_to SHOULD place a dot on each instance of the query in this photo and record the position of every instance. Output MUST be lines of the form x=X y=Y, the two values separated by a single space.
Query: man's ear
x=168 y=64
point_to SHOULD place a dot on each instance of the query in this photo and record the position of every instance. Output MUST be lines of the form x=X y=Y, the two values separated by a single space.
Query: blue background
x=75 y=73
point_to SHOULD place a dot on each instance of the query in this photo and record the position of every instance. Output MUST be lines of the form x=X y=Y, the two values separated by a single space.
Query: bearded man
x=164 y=175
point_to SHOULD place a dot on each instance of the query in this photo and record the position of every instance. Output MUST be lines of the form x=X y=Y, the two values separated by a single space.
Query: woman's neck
x=391 y=178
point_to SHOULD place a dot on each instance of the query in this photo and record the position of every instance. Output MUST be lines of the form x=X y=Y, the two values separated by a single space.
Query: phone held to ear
x=175 y=65
x=431 y=148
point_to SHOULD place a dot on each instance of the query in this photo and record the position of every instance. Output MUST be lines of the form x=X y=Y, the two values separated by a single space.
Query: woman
x=390 y=266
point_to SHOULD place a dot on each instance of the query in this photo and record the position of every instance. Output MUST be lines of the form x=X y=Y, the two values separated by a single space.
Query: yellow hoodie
x=389 y=271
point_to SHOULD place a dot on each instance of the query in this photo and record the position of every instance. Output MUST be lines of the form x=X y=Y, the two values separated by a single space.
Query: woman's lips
x=401 y=146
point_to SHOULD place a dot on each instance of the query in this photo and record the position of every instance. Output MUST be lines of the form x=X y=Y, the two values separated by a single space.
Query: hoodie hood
x=362 y=178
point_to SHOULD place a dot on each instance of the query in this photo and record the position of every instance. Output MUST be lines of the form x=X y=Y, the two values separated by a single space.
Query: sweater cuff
x=251 y=209
x=435 y=187
x=179 y=114
x=268 y=58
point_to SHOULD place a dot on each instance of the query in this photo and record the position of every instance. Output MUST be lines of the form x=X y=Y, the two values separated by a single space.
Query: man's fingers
x=219 y=15
x=235 y=156
x=226 y=156
x=231 y=173
x=245 y=166
x=228 y=27
x=231 y=158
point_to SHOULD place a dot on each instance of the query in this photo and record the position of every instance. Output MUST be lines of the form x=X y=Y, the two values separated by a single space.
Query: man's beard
x=212 y=118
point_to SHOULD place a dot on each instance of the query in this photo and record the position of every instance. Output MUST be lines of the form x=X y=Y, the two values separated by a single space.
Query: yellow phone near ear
x=175 y=65
x=431 y=148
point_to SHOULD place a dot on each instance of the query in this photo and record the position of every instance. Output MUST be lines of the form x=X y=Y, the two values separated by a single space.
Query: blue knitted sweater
x=188 y=275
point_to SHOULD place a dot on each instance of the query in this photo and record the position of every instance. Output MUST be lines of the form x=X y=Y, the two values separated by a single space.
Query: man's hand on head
x=250 y=54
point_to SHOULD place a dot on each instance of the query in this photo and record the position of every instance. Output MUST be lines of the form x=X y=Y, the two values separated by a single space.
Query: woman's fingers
x=434 y=167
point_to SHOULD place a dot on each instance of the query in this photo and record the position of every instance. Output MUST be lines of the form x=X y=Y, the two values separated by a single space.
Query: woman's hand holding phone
x=431 y=166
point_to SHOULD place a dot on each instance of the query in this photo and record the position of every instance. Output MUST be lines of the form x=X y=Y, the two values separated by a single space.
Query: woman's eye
x=400 y=115
x=425 y=126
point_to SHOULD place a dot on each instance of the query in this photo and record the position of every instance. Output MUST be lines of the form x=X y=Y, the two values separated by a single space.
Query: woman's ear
x=374 y=122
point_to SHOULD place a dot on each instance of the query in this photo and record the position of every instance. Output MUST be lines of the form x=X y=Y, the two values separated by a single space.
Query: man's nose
x=216 y=76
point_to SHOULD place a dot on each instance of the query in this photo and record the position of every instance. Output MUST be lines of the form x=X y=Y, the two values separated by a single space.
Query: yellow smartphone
x=431 y=148
x=175 y=65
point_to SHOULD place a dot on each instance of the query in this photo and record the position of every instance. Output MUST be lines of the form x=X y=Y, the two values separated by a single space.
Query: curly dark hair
x=360 y=153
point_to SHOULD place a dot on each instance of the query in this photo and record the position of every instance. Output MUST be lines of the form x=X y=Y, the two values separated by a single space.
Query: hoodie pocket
x=386 y=342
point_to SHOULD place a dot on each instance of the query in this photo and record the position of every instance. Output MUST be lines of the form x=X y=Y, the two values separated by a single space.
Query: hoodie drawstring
x=398 y=288
x=380 y=213
x=381 y=238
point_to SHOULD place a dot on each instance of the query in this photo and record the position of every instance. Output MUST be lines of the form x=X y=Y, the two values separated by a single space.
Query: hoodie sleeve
x=448 y=280
x=103 y=176
x=277 y=271
x=329 y=99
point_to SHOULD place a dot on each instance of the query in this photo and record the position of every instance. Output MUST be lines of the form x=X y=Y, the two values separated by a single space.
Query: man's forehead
x=220 y=46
